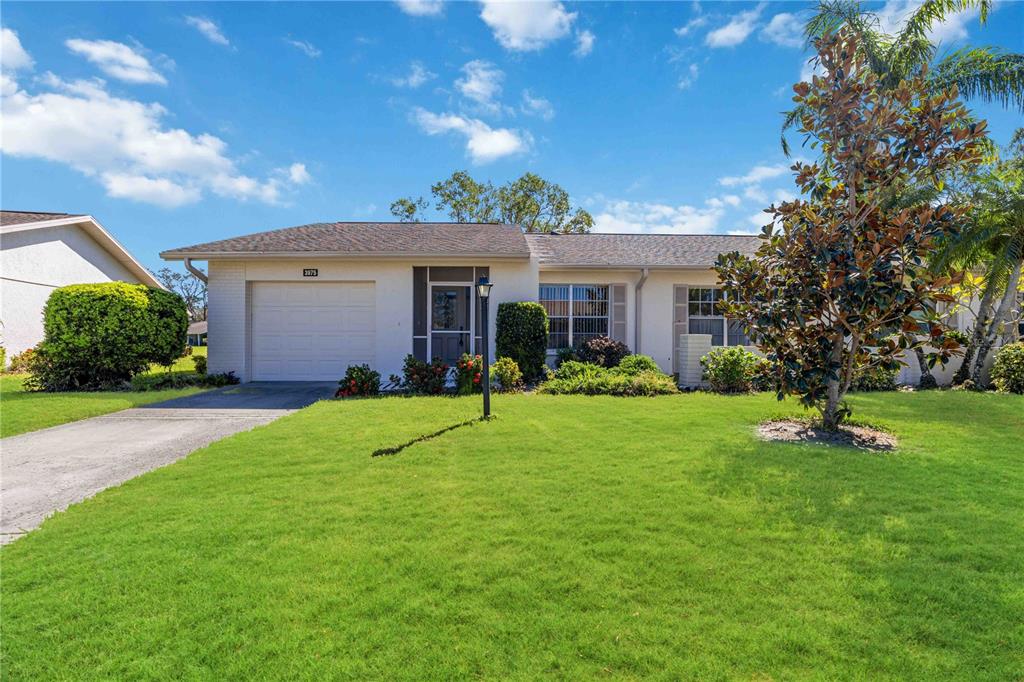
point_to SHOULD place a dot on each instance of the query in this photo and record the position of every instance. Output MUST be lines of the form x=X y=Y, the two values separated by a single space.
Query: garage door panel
x=311 y=331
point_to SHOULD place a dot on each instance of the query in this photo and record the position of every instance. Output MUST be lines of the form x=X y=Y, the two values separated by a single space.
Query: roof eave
x=336 y=255
x=620 y=266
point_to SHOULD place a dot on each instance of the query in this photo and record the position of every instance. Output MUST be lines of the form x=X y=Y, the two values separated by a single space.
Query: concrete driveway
x=46 y=471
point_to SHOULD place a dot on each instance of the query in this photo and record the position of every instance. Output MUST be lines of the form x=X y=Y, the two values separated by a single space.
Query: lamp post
x=483 y=290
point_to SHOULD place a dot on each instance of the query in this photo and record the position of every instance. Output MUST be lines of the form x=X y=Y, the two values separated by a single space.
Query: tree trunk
x=927 y=380
x=977 y=334
x=830 y=413
x=1001 y=315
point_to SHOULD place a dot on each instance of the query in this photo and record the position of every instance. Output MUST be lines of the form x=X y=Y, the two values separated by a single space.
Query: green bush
x=522 y=334
x=876 y=378
x=159 y=381
x=20 y=362
x=359 y=380
x=634 y=364
x=507 y=373
x=565 y=355
x=200 y=363
x=425 y=378
x=469 y=374
x=604 y=351
x=574 y=369
x=585 y=378
x=1008 y=369
x=732 y=369
x=98 y=335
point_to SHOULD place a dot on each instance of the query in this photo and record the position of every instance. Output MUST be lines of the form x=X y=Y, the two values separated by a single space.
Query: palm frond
x=983 y=72
x=872 y=43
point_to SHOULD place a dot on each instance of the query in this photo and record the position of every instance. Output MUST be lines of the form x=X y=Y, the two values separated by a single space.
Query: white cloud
x=421 y=8
x=483 y=143
x=117 y=60
x=584 y=43
x=638 y=217
x=12 y=55
x=894 y=14
x=809 y=68
x=417 y=76
x=756 y=175
x=731 y=199
x=526 y=26
x=691 y=26
x=738 y=29
x=689 y=78
x=760 y=219
x=125 y=145
x=309 y=49
x=298 y=174
x=755 y=193
x=481 y=83
x=537 y=106
x=209 y=29
x=744 y=233
x=785 y=29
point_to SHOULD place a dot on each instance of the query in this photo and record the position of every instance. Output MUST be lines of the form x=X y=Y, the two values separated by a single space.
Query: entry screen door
x=450 y=309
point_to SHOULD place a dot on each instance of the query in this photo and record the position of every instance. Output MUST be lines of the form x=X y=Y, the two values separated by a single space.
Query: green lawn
x=22 y=411
x=570 y=537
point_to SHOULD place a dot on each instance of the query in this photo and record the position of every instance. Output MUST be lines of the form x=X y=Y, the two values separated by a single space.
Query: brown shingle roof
x=637 y=250
x=405 y=239
x=23 y=217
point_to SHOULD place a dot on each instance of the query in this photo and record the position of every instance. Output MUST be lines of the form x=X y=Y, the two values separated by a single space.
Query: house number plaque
x=310 y=272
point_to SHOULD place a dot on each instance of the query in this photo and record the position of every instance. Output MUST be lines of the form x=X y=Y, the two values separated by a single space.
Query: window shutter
x=680 y=299
x=618 y=312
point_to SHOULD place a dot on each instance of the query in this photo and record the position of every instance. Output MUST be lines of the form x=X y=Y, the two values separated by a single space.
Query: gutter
x=199 y=274
x=638 y=298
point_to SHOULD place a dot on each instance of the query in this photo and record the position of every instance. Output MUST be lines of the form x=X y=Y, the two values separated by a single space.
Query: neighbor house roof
x=636 y=250
x=197 y=328
x=369 y=239
x=23 y=217
x=19 y=221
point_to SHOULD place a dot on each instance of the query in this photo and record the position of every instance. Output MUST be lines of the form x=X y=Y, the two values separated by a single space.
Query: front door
x=450 y=309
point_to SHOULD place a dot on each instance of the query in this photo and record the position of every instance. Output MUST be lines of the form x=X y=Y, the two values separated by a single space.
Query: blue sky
x=180 y=123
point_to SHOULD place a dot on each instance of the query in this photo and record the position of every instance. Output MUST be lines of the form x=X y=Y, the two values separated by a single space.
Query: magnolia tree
x=840 y=283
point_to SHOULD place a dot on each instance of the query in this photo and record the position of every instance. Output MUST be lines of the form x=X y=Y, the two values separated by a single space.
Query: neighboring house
x=42 y=251
x=303 y=303
x=197 y=334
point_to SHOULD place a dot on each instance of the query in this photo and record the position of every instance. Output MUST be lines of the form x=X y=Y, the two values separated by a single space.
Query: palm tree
x=986 y=73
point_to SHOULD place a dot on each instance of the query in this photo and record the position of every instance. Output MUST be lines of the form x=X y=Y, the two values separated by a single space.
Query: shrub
x=574 y=369
x=602 y=381
x=359 y=380
x=566 y=354
x=98 y=335
x=507 y=373
x=877 y=378
x=426 y=378
x=522 y=334
x=635 y=364
x=960 y=336
x=469 y=374
x=20 y=362
x=603 y=350
x=732 y=369
x=1008 y=369
x=200 y=362
x=765 y=377
x=159 y=381
x=3 y=358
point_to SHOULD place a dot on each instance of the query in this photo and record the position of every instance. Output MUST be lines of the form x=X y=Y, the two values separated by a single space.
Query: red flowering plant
x=424 y=378
x=469 y=372
x=359 y=380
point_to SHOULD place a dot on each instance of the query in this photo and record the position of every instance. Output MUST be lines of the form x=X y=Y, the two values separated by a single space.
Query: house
x=42 y=251
x=197 y=333
x=303 y=303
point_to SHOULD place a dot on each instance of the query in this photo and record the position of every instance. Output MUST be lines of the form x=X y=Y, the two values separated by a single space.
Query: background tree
x=530 y=202
x=842 y=285
x=986 y=73
x=191 y=289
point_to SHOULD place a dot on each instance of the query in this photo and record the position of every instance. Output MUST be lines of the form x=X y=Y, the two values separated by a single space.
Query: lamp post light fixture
x=483 y=290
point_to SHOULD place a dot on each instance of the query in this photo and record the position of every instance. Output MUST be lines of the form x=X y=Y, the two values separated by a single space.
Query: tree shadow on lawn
x=394 y=450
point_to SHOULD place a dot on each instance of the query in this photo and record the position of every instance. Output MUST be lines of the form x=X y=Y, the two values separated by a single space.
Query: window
x=705 y=317
x=576 y=312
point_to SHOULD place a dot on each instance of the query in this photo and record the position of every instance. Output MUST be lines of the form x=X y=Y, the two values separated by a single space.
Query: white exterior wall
x=228 y=303
x=35 y=262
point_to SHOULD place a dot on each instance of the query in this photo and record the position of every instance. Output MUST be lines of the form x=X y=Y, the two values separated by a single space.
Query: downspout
x=200 y=275
x=636 y=303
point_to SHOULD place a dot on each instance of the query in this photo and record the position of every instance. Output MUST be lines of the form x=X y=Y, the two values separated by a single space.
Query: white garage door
x=311 y=331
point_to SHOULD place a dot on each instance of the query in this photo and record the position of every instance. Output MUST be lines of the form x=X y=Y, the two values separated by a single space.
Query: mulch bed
x=860 y=437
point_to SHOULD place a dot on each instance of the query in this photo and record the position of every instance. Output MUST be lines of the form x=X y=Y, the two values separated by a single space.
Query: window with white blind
x=705 y=317
x=576 y=312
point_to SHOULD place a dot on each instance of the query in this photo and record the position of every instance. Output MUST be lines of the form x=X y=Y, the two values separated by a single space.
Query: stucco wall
x=35 y=262
x=229 y=308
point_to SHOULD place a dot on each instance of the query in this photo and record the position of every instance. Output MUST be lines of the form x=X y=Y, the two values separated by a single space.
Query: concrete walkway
x=46 y=471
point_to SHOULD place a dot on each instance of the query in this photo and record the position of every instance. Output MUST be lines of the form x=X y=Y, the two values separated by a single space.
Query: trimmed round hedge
x=98 y=335
x=522 y=334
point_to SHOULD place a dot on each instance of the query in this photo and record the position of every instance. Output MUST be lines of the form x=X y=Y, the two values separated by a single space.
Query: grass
x=22 y=411
x=569 y=537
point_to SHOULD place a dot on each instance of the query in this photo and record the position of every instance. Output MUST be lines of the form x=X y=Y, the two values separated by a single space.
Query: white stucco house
x=42 y=251
x=303 y=303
